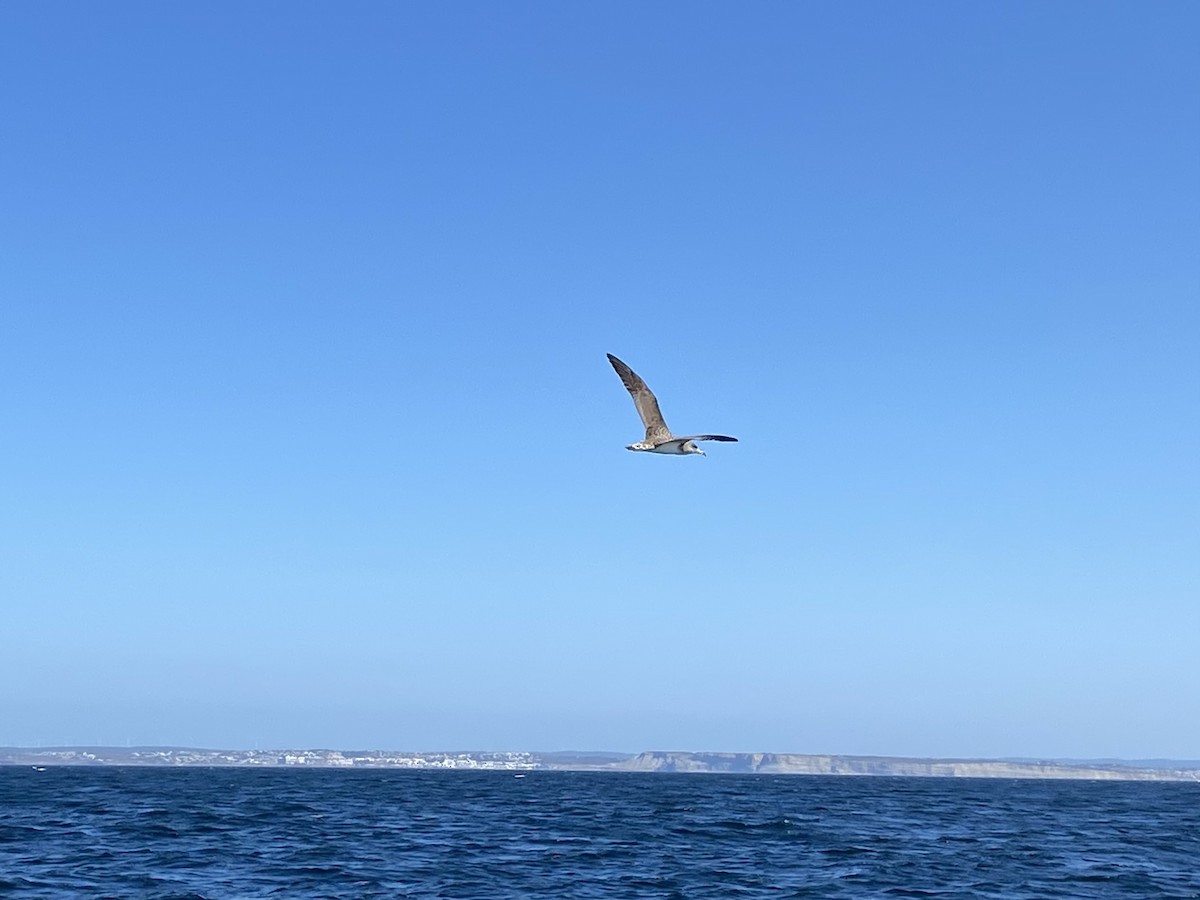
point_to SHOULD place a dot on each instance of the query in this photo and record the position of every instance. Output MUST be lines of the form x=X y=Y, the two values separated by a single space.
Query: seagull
x=658 y=436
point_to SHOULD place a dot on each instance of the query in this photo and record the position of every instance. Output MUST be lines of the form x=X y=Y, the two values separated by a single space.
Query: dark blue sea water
x=232 y=833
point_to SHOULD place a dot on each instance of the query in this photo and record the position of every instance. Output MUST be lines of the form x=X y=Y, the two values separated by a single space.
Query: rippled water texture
x=191 y=833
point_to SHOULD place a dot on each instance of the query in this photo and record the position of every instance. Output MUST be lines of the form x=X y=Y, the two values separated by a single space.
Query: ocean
x=329 y=833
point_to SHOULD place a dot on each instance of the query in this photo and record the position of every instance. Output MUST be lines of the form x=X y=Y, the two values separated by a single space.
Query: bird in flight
x=658 y=436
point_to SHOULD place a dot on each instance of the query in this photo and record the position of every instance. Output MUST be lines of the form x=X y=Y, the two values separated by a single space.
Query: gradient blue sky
x=310 y=439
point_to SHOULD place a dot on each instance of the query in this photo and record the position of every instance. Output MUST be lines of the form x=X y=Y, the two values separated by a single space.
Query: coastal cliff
x=804 y=764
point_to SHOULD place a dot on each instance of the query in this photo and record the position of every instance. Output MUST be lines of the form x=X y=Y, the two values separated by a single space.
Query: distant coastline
x=649 y=761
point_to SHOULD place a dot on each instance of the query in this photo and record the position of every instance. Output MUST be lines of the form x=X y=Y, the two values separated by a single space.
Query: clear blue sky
x=310 y=440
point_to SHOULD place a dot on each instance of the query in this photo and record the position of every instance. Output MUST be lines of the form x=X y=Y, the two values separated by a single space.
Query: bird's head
x=690 y=447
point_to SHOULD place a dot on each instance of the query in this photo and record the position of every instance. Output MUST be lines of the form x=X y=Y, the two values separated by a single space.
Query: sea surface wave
x=195 y=833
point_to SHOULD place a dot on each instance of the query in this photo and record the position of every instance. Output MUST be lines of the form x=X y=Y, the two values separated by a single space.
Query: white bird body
x=677 y=447
x=658 y=436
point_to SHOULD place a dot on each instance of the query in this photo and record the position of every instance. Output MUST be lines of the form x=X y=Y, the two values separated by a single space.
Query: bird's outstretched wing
x=643 y=398
x=706 y=437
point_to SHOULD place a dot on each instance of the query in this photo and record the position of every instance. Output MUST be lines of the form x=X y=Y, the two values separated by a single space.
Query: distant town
x=652 y=761
x=188 y=756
